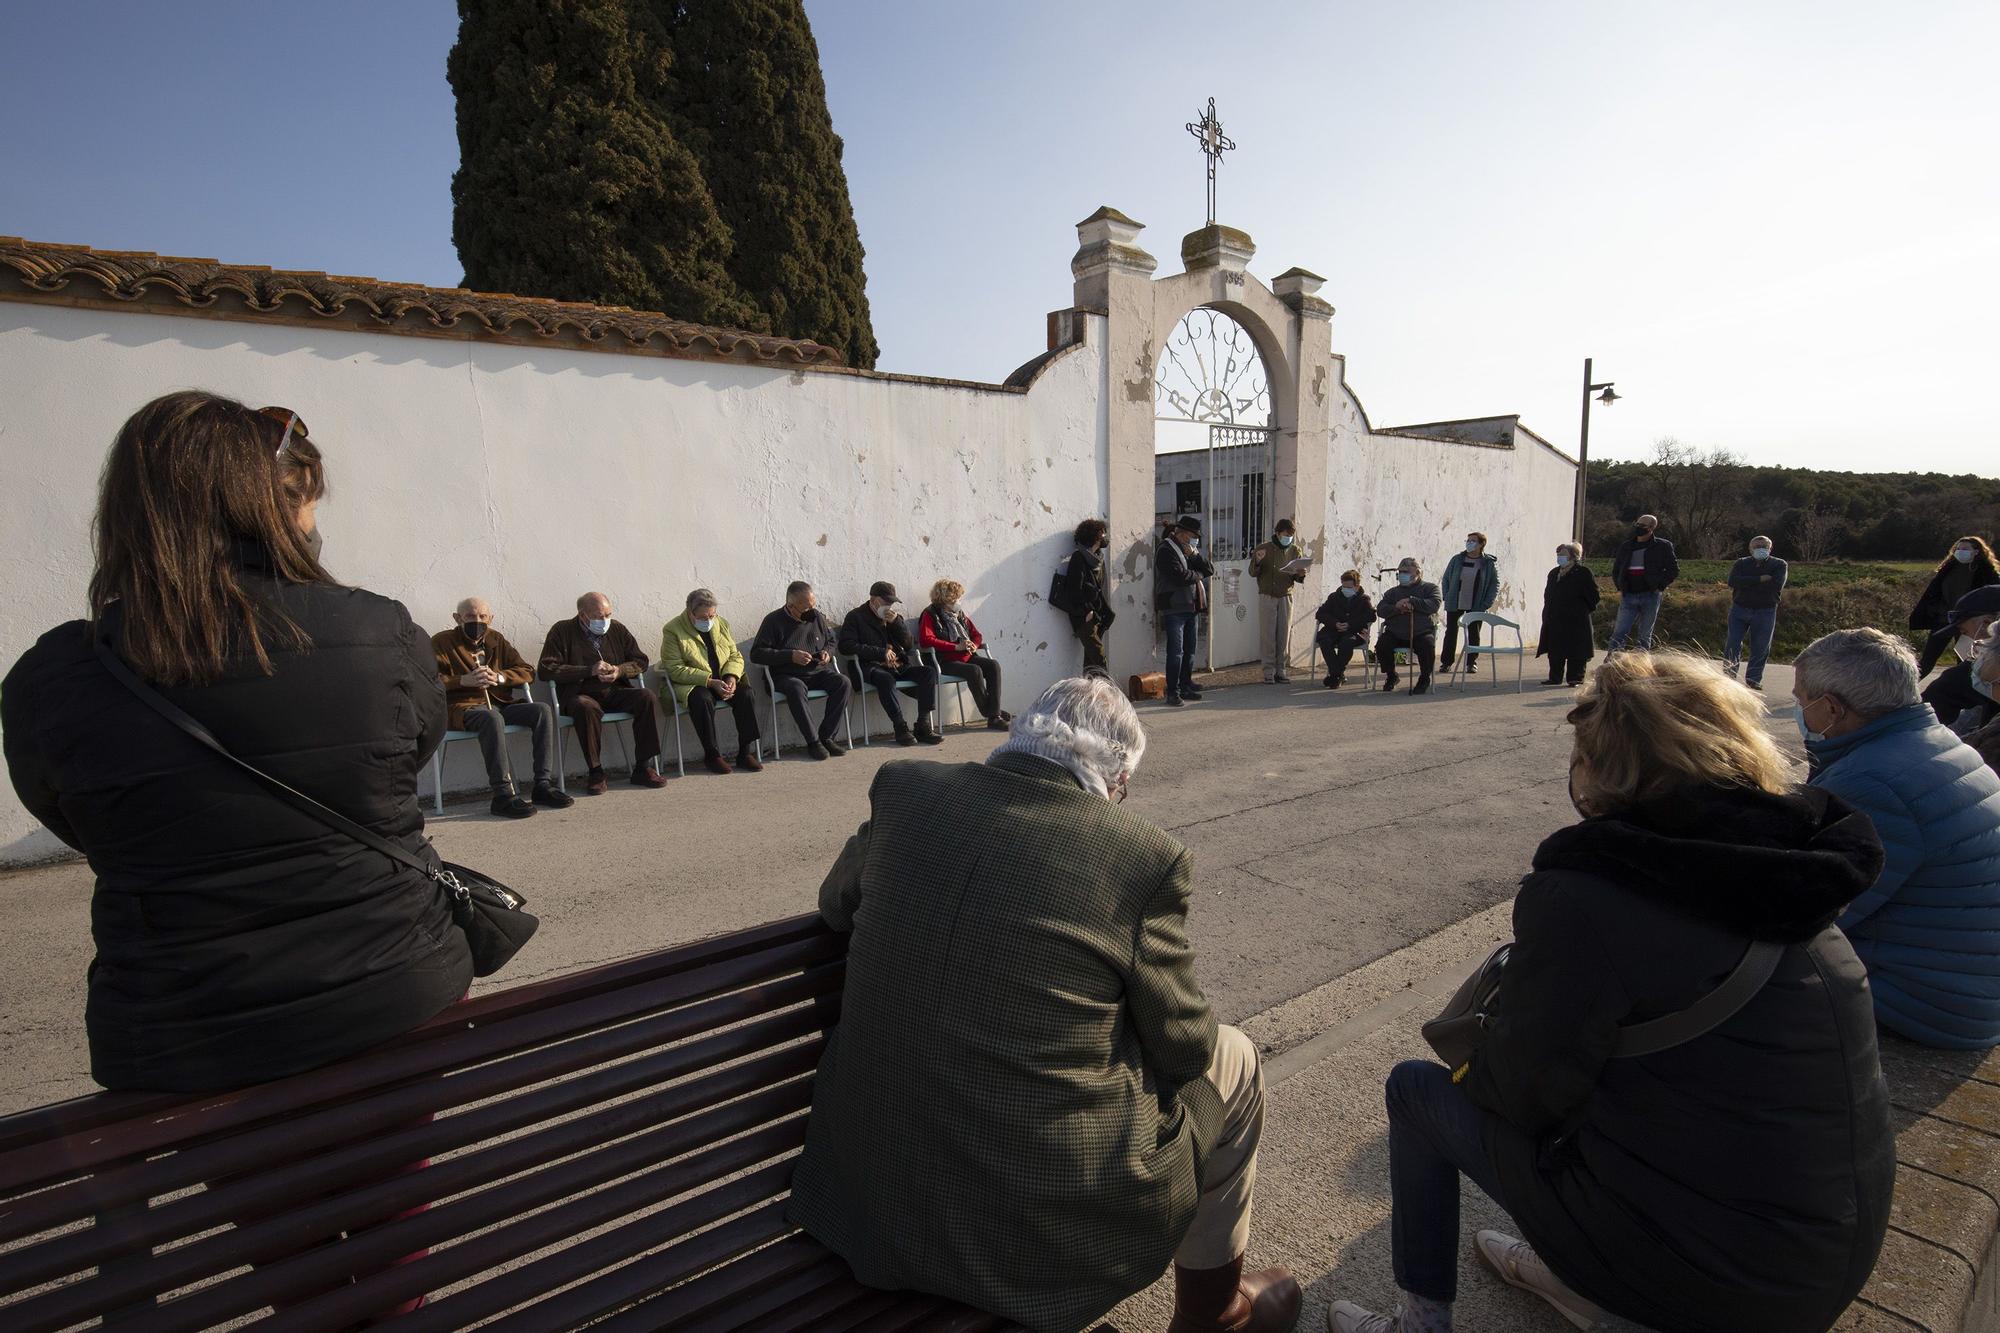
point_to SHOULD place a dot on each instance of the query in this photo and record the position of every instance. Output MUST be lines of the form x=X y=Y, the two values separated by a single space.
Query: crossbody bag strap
x=333 y=819
x=1709 y=1012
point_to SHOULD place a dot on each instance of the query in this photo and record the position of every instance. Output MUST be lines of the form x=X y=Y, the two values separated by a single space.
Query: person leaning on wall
x=208 y=585
x=1086 y=599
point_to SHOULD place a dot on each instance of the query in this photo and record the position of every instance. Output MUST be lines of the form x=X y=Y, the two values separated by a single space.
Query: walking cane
x=1409 y=610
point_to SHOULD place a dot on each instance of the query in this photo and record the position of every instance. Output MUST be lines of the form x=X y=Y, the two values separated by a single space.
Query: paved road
x=1328 y=830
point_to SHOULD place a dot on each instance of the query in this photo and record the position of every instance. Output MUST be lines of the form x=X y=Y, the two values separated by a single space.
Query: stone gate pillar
x=1114 y=277
x=1302 y=486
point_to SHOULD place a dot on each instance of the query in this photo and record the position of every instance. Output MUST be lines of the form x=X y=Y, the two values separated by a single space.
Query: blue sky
x=1775 y=225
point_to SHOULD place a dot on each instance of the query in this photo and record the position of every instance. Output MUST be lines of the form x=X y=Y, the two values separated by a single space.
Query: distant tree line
x=1710 y=503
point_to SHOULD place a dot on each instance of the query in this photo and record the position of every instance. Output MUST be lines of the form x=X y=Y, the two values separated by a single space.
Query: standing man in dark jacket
x=1180 y=595
x=797 y=643
x=1738 y=1179
x=1409 y=622
x=483 y=674
x=1641 y=571
x=1470 y=583
x=238 y=939
x=1086 y=600
x=596 y=664
x=1755 y=584
x=878 y=638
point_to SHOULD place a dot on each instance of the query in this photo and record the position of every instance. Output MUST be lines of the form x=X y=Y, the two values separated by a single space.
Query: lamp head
x=1608 y=397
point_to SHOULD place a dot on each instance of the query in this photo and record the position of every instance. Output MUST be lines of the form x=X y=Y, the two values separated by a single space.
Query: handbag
x=1460 y=1027
x=487 y=911
x=1147 y=685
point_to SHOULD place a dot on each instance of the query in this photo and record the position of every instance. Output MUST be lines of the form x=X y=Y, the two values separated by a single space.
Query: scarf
x=950 y=624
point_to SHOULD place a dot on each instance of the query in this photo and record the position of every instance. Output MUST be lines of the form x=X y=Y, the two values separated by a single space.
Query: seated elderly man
x=705 y=668
x=482 y=675
x=1968 y=625
x=877 y=637
x=797 y=642
x=1028 y=1106
x=596 y=664
x=1929 y=928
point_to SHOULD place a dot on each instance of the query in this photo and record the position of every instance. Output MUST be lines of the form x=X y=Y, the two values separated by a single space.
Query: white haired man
x=1929 y=928
x=1022 y=964
x=482 y=675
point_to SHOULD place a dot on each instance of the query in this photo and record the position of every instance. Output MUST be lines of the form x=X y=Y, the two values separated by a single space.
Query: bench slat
x=388 y=1067
x=397 y=1109
x=732 y=1287
x=33 y=1128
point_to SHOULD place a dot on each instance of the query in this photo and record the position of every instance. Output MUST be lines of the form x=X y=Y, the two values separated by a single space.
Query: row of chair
x=542 y=691
x=1461 y=665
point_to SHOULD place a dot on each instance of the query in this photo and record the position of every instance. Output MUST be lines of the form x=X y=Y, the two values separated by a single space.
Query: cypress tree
x=571 y=182
x=746 y=96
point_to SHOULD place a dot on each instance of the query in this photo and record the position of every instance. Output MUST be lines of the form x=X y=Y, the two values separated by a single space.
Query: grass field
x=1818 y=599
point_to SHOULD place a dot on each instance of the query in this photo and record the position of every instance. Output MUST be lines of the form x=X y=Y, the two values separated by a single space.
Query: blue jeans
x=1436 y=1134
x=1759 y=623
x=1180 y=627
x=1637 y=611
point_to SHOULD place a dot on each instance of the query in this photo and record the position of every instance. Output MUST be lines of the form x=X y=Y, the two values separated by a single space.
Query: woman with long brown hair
x=1969 y=564
x=238 y=939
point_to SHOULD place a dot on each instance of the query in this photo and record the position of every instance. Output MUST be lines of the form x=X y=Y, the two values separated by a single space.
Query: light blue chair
x=852 y=666
x=771 y=688
x=1519 y=652
x=565 y=723
x=666 y=692
x=452 y=738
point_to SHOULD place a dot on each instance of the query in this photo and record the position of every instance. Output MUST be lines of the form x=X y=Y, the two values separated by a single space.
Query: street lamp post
x=1608 y=397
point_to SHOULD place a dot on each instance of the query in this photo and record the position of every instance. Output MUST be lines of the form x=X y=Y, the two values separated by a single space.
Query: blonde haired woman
x=1737 y=1180
x=949 y=633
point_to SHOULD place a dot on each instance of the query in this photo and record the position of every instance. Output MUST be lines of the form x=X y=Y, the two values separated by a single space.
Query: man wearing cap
x=1180 y=595
x=1969 y=621
x=878 y=638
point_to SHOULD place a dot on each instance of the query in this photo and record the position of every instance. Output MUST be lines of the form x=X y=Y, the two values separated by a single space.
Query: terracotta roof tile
x=42 y=268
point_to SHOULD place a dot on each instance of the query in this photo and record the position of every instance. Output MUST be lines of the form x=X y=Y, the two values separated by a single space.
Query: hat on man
x=1189 y=523
x=886 y=591
x=1979 y=602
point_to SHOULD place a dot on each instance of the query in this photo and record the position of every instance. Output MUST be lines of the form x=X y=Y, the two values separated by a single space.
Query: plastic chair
x=564 y=722
x=852 y=665
x=1460 y=666
x=771 y=688
x=959 y=687
x=437 y=760
x=1367 y=661
x=667 y=692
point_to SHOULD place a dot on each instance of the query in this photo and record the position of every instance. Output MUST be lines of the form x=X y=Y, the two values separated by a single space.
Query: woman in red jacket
x=949 y=633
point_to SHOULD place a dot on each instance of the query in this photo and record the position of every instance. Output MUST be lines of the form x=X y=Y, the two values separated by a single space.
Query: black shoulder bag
x=1456 y=1033
x=486 y=910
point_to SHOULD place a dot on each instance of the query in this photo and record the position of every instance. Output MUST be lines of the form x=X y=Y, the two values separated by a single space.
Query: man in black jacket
x=878 y=638
x=1641 y=571
x=596 y=664
x=1085 y=600
x=1409 y=621
x=1180 y=595
x=797 y=642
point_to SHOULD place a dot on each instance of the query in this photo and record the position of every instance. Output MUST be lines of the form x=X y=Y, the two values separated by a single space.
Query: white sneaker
x=1515 y=1262
x=1347 y=1317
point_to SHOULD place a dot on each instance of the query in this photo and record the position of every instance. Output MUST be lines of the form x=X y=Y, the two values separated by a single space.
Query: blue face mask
x=1963 y=557
x=1284 y=539
x=704 y=626
x=1346 y=591
x=1562 y=562
x=597 y=627
x=1472 y=548
x=1760 y=553
x=1406 y=577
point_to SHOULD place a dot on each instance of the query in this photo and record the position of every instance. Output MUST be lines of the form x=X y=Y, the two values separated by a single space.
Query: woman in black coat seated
x=238 y=939
x=1735 y=1183
x=1344 y=618
x=1566 y=638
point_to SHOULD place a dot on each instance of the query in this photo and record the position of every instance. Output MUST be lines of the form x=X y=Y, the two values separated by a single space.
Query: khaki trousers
x=1274 y=635
x=1221 y=1227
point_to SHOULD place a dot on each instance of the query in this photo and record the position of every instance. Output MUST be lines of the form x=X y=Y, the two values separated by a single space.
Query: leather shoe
x=815 y=749
x=904 y=736
x=547 y=795
x=834 y=747
x=749 y=762
x=596 y=785
x=715 y=763
x=644 y=776
x=1266 y=1301
x=928 y=734
x=512 y=805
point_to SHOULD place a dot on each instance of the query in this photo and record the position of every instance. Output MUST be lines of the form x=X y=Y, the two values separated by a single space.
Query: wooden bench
x=614 y=1145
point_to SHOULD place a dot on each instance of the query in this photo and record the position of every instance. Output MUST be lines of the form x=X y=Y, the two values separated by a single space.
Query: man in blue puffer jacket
x=1929 y=929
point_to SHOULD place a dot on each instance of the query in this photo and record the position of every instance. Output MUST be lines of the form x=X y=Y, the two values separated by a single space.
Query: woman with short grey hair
x=1929 y=928
x=1088 y=726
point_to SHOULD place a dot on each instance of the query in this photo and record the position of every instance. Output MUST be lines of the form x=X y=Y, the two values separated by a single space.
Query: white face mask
x=1760 y=553
x=1966 y=648
x=1806 y=733
x=1284 y=539
x=705 y=624
x=887 y=612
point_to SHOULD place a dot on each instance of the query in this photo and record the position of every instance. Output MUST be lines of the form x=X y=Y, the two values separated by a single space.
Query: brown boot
x=1228 y=1300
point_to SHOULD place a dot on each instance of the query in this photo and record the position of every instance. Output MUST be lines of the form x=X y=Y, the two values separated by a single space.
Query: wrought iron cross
x=1214 y=143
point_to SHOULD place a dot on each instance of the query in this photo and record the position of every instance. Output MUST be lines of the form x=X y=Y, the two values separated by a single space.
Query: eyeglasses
x=294 y=424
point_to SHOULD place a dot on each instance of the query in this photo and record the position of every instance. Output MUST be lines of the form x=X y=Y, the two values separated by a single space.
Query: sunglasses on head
x=294 y=425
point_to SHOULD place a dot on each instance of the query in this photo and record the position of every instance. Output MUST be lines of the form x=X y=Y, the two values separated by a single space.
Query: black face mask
x=474 y=630
x=1640 y=533
x=314 y=542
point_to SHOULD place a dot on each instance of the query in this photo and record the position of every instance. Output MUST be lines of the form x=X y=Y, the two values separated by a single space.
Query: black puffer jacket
x=237 y=939
x=1735 y=1184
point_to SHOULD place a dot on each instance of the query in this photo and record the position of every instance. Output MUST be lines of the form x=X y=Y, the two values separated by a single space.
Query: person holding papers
x=1278 y=568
